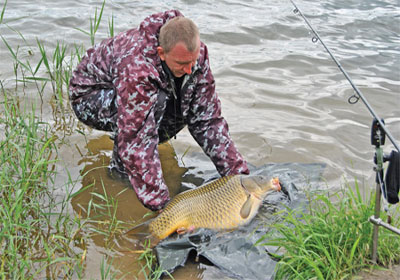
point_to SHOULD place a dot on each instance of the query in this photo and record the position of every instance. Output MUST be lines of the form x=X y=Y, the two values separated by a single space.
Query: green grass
x=2 y=12
x=40 y=235
x=333 y=240
x=102 y=210
x=95 y=23
x=37 y=233
x=150 y=269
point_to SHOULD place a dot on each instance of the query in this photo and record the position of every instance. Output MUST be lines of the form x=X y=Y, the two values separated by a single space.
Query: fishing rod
x=354 y=98
x=378 y=133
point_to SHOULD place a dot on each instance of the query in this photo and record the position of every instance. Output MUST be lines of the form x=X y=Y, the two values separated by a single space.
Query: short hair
x=179 y=29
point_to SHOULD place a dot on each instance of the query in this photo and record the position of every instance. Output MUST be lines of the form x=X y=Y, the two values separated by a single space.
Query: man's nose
x=188 y=68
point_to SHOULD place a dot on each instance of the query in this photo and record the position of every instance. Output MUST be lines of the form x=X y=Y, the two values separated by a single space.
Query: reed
x=37 y=231
x=111 y=26
x=333 y=240
x=57 y=70
x=150 y=269
x=40 y=236
x=95 y=23
x=106 y=269
x=2 y=12
x=102 y=210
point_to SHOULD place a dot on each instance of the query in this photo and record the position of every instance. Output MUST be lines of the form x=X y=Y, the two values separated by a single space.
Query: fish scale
x=216 y=205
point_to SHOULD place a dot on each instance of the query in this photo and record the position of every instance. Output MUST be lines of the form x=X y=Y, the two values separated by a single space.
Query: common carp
x=225 y=203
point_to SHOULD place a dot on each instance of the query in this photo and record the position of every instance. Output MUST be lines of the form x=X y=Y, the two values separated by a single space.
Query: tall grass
x=2 y=12
x=57 y=69
x=57 y=66
x=333 y=240
x=40 y=237
x=150 y=269
x=37 y=232
x=102 y=210
x=95 y=23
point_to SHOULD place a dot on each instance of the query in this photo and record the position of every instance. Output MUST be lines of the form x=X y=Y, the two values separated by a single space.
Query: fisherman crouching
x=145 y=85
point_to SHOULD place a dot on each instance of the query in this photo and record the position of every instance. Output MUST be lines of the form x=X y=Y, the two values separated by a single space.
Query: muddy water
x=283 y=97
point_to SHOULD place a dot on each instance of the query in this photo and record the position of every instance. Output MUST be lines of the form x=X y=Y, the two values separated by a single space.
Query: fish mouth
x=276 y=186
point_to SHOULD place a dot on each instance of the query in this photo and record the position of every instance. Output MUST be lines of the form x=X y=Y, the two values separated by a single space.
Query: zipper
x=184 y=86
x=172 y=81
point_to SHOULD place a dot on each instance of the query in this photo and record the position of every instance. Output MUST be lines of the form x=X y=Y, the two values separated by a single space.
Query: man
x=145 y=85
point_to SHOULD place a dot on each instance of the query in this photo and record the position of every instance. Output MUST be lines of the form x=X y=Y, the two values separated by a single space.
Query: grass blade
x=2 y=12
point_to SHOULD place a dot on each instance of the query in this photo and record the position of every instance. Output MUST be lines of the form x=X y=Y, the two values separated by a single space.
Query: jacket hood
x=150 y=27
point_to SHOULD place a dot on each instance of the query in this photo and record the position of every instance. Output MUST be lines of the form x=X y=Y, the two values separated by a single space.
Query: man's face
x=179 y=60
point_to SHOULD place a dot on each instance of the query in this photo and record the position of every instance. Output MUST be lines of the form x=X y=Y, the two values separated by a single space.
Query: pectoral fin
x=246 y=208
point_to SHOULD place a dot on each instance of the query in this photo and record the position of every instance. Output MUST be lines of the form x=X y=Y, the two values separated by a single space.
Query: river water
x=283 y=97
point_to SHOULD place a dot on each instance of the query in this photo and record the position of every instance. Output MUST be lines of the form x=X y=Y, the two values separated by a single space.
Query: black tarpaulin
x=234 y=252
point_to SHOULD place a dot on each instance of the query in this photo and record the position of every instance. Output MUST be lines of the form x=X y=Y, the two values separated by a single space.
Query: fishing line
x=355 y=97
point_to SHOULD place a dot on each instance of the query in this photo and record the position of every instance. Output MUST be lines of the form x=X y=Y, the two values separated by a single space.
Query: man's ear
x=161 y=53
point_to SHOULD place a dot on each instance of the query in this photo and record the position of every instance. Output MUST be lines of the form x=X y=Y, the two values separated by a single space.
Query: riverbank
x=334 y=239
x=392 y=273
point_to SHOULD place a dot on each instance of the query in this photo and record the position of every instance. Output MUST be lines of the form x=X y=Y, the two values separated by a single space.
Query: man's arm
x=137 y=135
x=210 y=129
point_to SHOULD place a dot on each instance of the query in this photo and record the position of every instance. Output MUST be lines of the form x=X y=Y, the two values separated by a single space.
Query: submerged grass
x=37 y=233
x=40 y=236
x=333 y=240
x=150 y=269
x=102 y=209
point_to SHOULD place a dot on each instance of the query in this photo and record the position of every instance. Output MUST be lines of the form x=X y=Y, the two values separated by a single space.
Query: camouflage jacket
x=129 y=64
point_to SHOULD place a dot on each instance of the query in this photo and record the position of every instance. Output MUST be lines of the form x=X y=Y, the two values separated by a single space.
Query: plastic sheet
x=234 y=252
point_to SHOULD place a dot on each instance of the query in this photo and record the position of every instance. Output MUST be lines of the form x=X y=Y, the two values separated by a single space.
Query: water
x=283 y=97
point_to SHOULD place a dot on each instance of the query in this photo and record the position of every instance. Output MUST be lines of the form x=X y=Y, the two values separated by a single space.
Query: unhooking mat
x=234 y=252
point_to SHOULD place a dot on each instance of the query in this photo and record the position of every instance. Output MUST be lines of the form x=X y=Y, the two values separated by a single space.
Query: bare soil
x=381 y=274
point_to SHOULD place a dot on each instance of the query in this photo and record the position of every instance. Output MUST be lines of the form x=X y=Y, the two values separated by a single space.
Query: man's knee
x=97 y=109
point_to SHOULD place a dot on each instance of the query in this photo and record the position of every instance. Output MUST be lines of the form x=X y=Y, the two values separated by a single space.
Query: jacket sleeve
x=91 y=90
x=137 y=133
x=210 y=129
x=93 y=72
